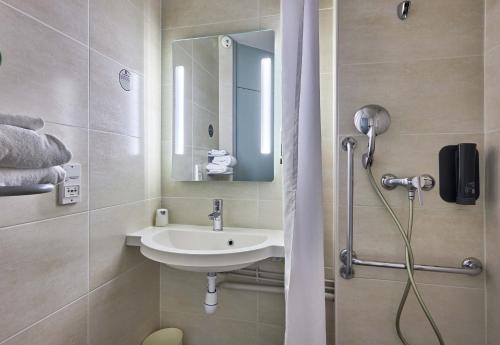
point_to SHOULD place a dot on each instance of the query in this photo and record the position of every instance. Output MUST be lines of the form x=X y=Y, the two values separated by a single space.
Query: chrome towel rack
x=470 y=266
x=26 y=190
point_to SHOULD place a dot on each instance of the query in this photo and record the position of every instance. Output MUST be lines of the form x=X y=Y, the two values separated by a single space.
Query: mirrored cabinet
x=223 y=108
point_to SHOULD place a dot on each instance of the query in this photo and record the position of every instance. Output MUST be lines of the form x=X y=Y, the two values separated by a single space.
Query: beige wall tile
x=272 y=7
x=188 y=211
x=269 y=7
x=112 y=109
x=372 y=32
x=207 y=330
x=109 y=255
x=116 y=169
x=434 y=96
x=31 y=59
x=492 y=27
x=44 y=267
x=192 y=12
x=272 y=309
x=272 y=190
x=367 y=308
x=69 y=17
x=491 y=87
x=182 y=291
x=237 y=213
x=125 y=310
x=270 y=214
x=66 y=326
x=117 y=30
x=271 y=335
x=240 y=213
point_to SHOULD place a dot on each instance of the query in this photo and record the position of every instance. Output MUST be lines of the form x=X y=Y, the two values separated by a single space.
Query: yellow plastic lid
x=166 y=336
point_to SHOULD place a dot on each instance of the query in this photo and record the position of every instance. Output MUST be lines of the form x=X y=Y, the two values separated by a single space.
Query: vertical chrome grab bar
x=346 y=271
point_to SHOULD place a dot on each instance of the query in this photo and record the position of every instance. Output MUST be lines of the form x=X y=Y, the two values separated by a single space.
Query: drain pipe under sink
x=211 y=295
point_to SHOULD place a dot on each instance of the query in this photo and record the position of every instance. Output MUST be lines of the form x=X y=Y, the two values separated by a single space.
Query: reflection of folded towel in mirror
x=227 y=160
x=217 y=153
x=218 y=169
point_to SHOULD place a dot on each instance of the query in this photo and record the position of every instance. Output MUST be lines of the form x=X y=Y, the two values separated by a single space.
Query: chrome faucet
x=413 y=184
x=216 y=215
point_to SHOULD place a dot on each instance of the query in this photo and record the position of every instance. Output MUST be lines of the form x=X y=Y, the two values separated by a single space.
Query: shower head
x=371 y=120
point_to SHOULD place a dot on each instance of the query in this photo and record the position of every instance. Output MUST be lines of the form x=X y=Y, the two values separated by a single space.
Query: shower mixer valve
x=415 y=184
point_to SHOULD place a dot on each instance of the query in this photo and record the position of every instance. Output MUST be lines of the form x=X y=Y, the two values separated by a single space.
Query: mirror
x=223 y=113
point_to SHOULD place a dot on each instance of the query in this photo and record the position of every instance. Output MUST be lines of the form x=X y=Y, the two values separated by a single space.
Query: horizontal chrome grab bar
x=470 y=266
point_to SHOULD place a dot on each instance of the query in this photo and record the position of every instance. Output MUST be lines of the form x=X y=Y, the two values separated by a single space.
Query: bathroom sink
x=200 y=249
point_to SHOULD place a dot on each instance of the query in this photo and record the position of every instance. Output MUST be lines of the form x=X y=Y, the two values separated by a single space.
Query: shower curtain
x=303 y=212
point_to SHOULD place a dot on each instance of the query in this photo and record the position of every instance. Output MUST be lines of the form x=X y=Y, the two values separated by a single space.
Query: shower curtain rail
x=470 y=266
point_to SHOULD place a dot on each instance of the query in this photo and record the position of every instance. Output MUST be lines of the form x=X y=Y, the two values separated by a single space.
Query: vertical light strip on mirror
x=179 y=111
x=266 y=104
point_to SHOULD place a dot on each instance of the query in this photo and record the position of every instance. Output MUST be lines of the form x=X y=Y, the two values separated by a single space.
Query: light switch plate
x=70 y=191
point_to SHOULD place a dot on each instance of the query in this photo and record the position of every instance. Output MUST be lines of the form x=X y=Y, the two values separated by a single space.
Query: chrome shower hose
x=410 y=283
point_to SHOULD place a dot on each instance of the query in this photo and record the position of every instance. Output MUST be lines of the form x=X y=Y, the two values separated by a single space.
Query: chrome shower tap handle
x=413 y=184
x=417 y=184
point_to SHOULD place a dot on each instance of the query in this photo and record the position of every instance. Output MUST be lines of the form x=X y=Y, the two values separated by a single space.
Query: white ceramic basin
x=200 y=249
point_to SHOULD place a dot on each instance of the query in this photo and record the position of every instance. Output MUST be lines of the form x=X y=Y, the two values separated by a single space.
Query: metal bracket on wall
x=404 y=9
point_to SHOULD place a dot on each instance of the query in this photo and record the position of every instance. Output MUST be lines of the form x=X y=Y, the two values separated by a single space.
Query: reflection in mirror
x=223 y=114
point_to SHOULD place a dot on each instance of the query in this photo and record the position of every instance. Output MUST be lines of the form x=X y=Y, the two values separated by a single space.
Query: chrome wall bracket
x=346 y=271
x=404 y=9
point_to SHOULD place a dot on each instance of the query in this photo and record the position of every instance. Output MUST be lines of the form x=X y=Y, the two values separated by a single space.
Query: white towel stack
x=222 y=163
x=27 y=157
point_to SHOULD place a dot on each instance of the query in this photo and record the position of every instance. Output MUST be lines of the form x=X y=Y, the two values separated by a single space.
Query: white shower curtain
x=303 y=213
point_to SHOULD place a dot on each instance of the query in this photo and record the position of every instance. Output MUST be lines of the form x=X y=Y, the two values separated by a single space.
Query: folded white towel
x=26 y=122
x=26 y=177
x=25 y=149
x=218 y=169
x=228 y=161
x=217 y=153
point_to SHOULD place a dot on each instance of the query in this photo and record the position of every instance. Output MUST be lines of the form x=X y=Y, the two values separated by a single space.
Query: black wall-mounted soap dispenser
x=459 y=173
